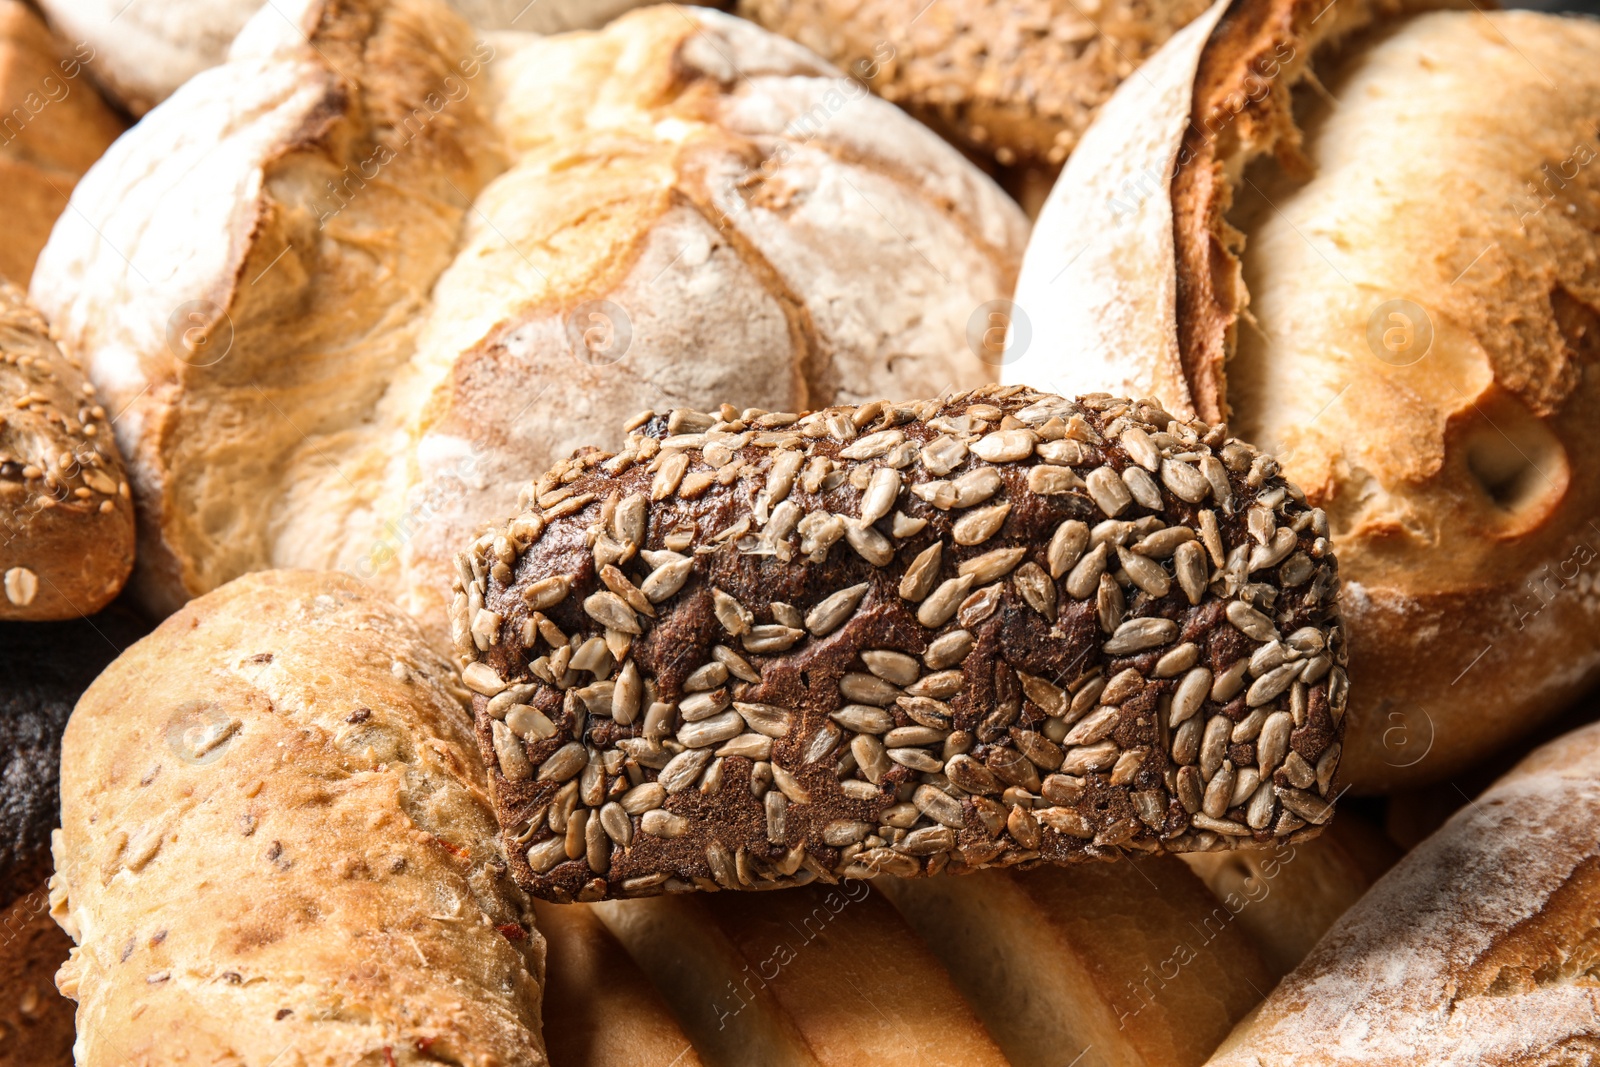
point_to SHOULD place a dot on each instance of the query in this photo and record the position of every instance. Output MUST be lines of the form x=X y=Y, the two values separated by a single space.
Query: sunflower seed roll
x=756 y=649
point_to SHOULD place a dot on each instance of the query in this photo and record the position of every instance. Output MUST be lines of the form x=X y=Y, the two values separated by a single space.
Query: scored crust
x=754 y=649
x=66 y=516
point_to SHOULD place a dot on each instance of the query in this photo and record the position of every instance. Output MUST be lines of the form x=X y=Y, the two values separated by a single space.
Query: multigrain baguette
x=756 y=649
x=1478 y=948
x=276 y=849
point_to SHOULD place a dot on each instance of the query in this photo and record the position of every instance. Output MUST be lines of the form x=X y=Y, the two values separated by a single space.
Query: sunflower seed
x=1100 y=756
x=628 y=521
x=1128 y=765
x=659 y=718
x=927 y=841
x=1226 y=827
x=926 y=711
x=863 y=718
x=564 y=763
x=1185 y=481
x=669 y=475
x=682 y=770
x=977 y=526
x=658 y=822
x=1190 y=788
x=1004 y=446
x=666 y=579
x=992 y=565
x=861 y=688
x=1013 y=768
x=939 y=806
x=1095 y=727
x=1229 y=682
x=970 y=775
x=771 y=638
x=546 y=592
x=1262 y=803
x=873 y=445
x=1178 y=660
x=1271 y=685
x=765 y=719
x=1249 y=727
x=509 y=753
x=481 y=678
x=1214 y=745
x=790 y=785
x=592 y=656
x=1219 y=791
x=979 y=606
x=913 y=736
x=1084 y=578
x=1308 y=806
x=1067 y=821
x=612 y=612
x=1136 y=635
x=869 y=544
x=831 y=613
x=1037 y=589
x=1190 y=696
x=1270 y=555
x=1138 y=445
x=881 y=492
x=818 y=532
x=546 y=855
x=1050 y=699
x=1164 y=542
x=1052 y=481
x=1189 y=564
x=948 y=649
x=1211 y=537
x=711 y=731
x=894 y=667
x=1143 y=488
x=1298 y=771
x=1039 y=749
x=1250 y=622
x=870 y=757
x=936 y=610
x=1109 y=604
x=923 y=572
x=1327 y=766
x=697 y=707
x=1145 y=573
x=1273 y=744
x=530 y=723
x=916 y=759
x=596 y=846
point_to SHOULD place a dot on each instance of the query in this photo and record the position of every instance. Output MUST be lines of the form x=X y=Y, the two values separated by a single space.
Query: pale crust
x=1477 y=948
x=821 y=976
x=53 y=125
x=1460 y=484
x=288 y=754
x=1018 y=82
x=66 y=517
x=1125 y=963
x=386 y=376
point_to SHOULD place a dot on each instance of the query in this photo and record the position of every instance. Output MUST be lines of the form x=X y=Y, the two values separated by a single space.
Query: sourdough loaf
x=823 y=976
x=1374 y=254
x=66 y=515
x=53 y=124
x=276 y=847
x=379 y=276
x=1479 y=947
x=1130 y=963
x=998 y=628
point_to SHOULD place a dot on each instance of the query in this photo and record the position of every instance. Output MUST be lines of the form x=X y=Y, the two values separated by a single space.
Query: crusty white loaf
x=1408 y=315
x=276 y=847
x=385 y=277
x=1479 y=947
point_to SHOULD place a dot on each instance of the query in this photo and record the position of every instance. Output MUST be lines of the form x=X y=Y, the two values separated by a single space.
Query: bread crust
x=922 y=635
x=1459 y=483
x=35 y=1019
x=290 y=754
x=1477 y=948
x=66 y=515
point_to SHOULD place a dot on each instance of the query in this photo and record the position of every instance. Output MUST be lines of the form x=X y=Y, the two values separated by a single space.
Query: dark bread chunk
x=1066 y=628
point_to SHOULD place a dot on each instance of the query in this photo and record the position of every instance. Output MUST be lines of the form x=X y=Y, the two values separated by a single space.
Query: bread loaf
x=66 y=516
x=1477 y=948
x=1017 y=82
x=35 y=1019
x=824 y=976
x=1406 y=315
x=275 y=847
x=524 y=242
x=1129 y=963
x=52 y=126
x=756 y=649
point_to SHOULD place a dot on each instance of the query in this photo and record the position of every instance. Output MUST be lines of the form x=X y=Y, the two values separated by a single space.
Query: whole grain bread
x=998 y=628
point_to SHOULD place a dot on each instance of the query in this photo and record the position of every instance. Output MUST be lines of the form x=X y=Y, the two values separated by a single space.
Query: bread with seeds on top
x=1478 y=948
x=275 y=836
x=1365 y=237
x=757 y=649
x=66 y=516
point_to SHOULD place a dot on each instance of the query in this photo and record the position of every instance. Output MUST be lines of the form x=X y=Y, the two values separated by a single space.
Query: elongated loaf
x=753 y=648
x=823 y=976
x=66 y=515
x=1130 y=963
x=275 y=847
x=1479 y=947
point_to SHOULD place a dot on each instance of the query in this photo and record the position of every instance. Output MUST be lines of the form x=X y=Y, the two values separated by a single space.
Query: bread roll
x=274 y=836
x=1405 y=315
x=812 y=977
x=599 y=1008
x=53 y=126
x=1127 y=964
x=761 y=648
x=1017 y=82
x=35 y=1019
x=525 y=242
x=1477 y=948
x=66 y=515
x=1285 y=898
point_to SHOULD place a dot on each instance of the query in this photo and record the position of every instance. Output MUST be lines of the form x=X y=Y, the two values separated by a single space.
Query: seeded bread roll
x=754 y=649
x=1478 y=948
x=1365 y=237
x=35 y=1019
x=55 y=125
x=66 y=517
x=1130 y=963
x=823 y=976
x=275 y=837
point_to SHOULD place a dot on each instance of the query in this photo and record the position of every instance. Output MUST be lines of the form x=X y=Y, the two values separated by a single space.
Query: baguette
x=274 y=837
x=1477 y=948
x=753 y=650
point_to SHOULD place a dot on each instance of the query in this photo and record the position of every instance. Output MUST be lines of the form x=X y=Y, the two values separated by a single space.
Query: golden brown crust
x=66 y=517
x=35 y=1020
x=289 y=755
x=53 y=125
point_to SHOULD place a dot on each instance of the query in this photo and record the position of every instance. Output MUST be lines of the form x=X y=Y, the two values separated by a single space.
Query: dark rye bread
x=695 y=664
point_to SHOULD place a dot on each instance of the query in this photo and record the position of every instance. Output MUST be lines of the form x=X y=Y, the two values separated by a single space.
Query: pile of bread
x=484 y=487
